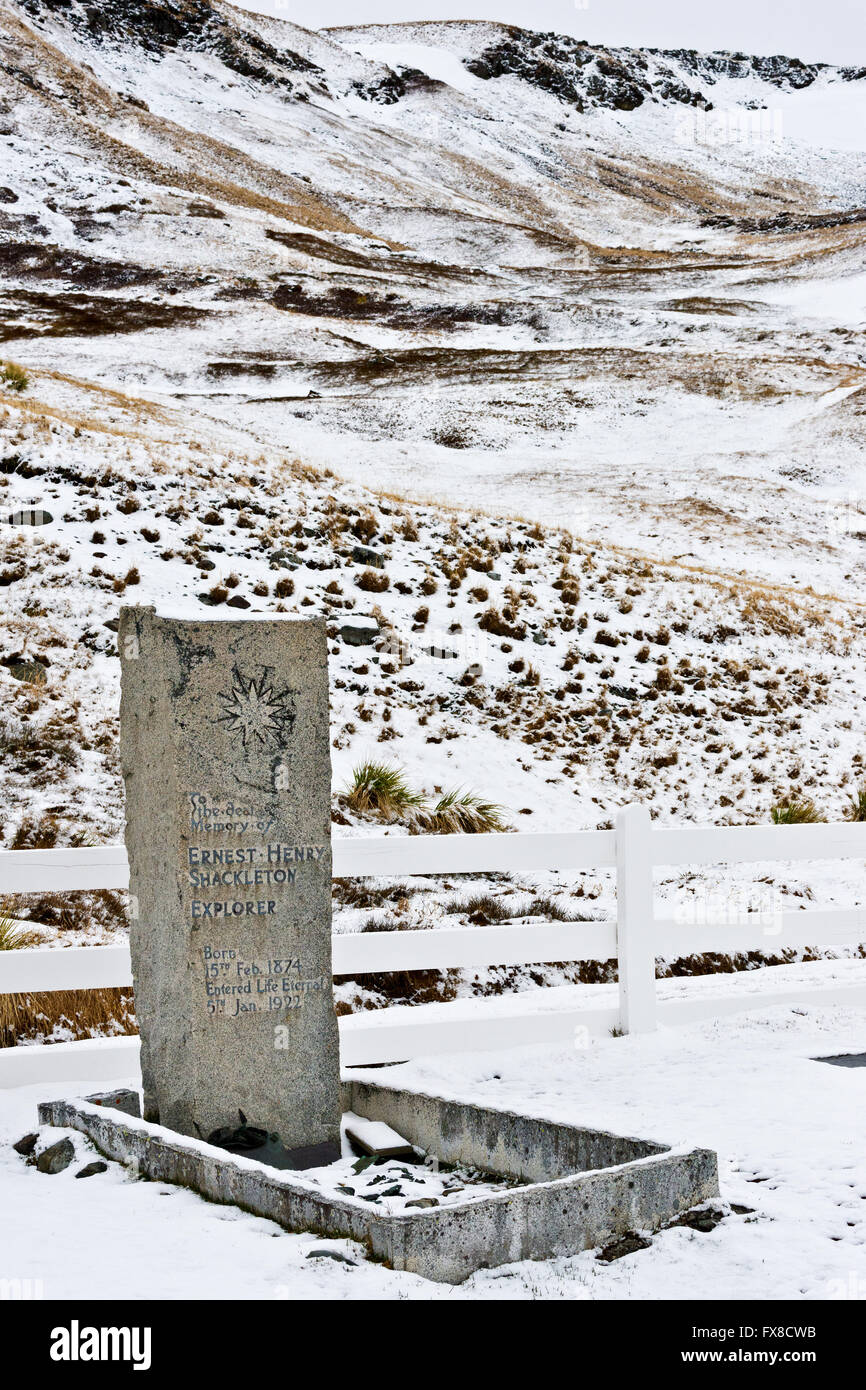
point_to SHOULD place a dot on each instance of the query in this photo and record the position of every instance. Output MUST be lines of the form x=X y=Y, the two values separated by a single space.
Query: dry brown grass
x=80 y=1013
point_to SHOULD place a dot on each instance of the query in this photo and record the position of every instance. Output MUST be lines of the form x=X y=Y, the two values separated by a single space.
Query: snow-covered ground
x=789 y=1131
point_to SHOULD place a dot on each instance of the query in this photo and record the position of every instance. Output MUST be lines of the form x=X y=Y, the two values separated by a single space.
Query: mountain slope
x=262 y=278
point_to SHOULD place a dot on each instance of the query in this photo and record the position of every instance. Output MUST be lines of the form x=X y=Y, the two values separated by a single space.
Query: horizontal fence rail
x=634 y=940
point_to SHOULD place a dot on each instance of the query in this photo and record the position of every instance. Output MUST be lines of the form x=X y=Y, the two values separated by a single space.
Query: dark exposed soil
x=346 y=303
x=31 y=260
x=86 y=315
x=789 y=221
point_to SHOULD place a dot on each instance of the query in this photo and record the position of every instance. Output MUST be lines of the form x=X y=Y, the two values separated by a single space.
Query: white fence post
x=635 y=924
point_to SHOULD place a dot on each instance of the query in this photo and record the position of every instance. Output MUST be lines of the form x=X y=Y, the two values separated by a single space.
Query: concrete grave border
x=584 y=1187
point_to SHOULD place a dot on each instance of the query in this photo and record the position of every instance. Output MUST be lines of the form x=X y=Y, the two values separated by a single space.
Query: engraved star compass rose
x=253 y=709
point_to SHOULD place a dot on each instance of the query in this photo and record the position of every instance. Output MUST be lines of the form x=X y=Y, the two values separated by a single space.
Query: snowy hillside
x=284 y=299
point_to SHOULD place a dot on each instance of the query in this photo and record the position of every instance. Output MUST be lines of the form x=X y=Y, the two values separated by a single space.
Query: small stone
x=237 y=601
x=283 y=560
x=701 y=1218
x=423 y=1202
x=364 y=555
x=90 y=1169
x=123 y=1099
x=361 y=633
x=626 y=1245
x=329 y=1255
x=26 y=1145
x=57 y=1157
x=704 y=1219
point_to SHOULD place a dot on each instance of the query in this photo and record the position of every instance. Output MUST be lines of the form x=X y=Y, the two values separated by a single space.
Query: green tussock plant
x=15 y=937
x=381 y=790
x=14 y=377
x=857 y=805
x=797 y=812
x=458 y=813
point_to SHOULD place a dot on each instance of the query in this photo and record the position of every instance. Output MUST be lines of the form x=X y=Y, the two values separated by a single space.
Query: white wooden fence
x=634 y=848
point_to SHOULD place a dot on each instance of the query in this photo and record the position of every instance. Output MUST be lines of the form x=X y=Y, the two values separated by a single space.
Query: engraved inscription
x=234 y=984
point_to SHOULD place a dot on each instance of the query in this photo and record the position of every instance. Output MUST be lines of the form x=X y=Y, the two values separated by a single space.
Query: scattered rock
x=330 y=1255
x=423 y=1202
x=626 y=1245
x=123 y=1099
x=57 y=1157
x=26 y=1145
x=365 y=555
x=704 y=1219
x=283 y=560
x=360 y=632
x=90 y=1169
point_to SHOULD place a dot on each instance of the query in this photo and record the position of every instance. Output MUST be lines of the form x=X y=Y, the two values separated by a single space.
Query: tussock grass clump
x=357 y=892
x=797 y=811
x=33 y=833
x=481 y=906
x=13 y=377
x=483 y=909
x=373 y=581
x=382 y=790
x=551 y=910
x=502 y=624
x=16 y=737
x=15 y=937
x=458 y=813
x=857 y=805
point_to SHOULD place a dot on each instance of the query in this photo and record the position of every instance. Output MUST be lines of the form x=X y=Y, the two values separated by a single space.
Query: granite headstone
x=226 y=764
